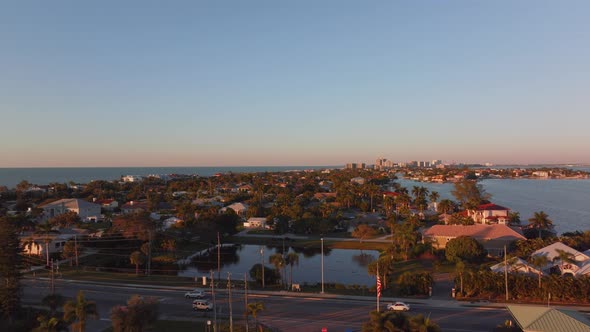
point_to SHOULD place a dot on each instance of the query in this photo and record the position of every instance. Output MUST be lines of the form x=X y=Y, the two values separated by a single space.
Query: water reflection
x=344 y=266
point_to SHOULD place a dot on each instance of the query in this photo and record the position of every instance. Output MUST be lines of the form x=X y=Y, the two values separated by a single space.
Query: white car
x=202 y=305
x=398 y=306
x=195 y=294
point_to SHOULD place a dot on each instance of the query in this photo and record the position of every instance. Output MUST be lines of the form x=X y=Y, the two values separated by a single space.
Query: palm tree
x=386 y=322
x=434 y=196
x=278 y=261
x=446 y=206
x=539 y=262
x=423 y=324
x=253 y=309
x=292 y=259
x=541 y=221
x=53 y=301
x=137 y=258
x=392 y=223
x=47 y=324
x=77 y=311
x=388 y=203
x=514 y=217
x=372 y=190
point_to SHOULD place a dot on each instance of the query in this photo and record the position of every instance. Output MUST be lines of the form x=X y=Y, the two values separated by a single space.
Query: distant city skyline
x=148 y=84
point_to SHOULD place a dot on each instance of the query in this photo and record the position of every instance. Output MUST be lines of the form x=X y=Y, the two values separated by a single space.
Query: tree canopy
x=469 y=194
x=464 y=248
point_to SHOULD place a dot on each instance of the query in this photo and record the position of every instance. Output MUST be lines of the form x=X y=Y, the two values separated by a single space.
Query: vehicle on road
x=398 y=306
x=202 y=305
x=195 y=294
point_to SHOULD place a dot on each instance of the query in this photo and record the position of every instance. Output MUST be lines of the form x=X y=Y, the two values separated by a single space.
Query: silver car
x=195 y=294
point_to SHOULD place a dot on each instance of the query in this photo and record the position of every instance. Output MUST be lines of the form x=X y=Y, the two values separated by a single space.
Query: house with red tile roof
x=492 y=237
x=490 y=214
x=108 y=204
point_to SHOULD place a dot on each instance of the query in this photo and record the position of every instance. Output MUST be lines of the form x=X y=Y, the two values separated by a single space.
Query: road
x=288 y=313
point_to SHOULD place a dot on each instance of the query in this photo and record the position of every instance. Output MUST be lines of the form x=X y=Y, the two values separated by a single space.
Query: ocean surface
x=567 y=202
x=10 y=177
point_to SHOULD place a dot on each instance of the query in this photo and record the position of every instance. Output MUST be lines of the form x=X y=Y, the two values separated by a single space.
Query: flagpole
x=378 y=286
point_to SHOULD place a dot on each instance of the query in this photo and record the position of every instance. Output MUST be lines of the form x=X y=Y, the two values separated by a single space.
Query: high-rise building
x=355 y=165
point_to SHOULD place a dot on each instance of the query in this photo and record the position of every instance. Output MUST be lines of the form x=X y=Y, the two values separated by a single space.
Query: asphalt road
x=288 y=313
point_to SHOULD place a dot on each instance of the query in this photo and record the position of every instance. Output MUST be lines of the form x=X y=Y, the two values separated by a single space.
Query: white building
x=85 y=210
x=132 y=178
x=255 y=222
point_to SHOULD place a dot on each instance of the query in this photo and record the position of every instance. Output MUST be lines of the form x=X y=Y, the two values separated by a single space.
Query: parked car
x=202 y=305
x=398 y=306
x=195 y=294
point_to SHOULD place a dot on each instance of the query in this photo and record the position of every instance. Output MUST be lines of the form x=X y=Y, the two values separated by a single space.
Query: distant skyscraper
x=355 y=165
x=380 y=163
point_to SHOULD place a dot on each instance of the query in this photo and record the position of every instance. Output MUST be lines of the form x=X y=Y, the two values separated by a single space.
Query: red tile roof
x=391 y=193
x=484 y=232
x=491 y=206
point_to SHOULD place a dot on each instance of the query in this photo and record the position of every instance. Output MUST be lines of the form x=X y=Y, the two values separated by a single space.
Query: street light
x=322 y=240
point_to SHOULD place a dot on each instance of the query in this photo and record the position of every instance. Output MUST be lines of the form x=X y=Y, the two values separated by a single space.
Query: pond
x=345 y=266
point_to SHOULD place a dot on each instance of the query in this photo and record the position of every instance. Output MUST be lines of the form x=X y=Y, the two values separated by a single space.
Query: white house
x=255 y=222
x=580 y=266
x=358 y=180
x=85 y=210
x=239 y=208
x=490 y=214
x=108 y=204
x=49 y=243
x=516 y=265
x=132 y=178
x=169 y=222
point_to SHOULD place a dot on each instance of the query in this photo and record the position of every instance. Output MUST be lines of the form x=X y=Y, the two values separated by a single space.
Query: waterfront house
x=492 y=237
x=516 y=265
x=85 y=210
x=489 y=214
x=578 y=263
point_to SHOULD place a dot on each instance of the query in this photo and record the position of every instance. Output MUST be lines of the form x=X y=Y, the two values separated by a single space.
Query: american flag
x=378 y=287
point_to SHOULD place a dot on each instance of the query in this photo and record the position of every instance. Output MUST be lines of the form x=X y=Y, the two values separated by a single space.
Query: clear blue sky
x=233 y=83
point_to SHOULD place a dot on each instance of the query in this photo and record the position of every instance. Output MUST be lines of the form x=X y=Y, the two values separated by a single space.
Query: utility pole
x=218 y=257
x=246 y=299
x=47 y=250
x=506 y=273
x=262 y=264
x=231 y=321
x=322 y=239
x=76 y=248
x=149 y=262
x=214 y=304
x=52 y=264
x=284 y=260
